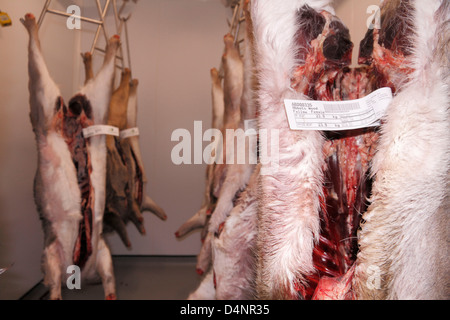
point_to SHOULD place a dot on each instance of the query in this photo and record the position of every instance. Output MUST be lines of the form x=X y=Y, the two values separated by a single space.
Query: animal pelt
x=125 y=180
x=232 y=273
x=58 y=195
x=404 y=236
x=121 y=205
x=233 y=247
x=288 y=220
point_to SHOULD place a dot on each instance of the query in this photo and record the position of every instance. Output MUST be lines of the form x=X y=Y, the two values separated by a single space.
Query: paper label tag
x=338 y=115
x=249 y=125
x=131 y=132
x=99 y=130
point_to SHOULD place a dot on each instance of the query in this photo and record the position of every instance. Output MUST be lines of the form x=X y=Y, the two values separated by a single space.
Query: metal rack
x=120 y=24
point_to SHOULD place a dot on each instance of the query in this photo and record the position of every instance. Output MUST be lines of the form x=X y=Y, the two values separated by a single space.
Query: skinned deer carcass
x=69 y=185
x=311 y=205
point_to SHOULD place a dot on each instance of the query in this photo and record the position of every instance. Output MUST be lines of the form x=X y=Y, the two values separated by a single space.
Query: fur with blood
x=56 y=189
x=389 y=66
x=285 y=241
x=75 y=118
x=348 y=156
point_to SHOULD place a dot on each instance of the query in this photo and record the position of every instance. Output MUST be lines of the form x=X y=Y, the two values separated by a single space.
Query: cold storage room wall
x=173 y=43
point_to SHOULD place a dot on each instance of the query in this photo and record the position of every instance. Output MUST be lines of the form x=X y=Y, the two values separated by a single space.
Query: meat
x=201 y=218
x=69 y=185
x=232 y=274
x=313 y=204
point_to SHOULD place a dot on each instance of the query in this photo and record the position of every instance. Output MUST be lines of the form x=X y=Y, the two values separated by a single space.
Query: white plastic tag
x=100 y=129
x=338 y=115
x=131 y=132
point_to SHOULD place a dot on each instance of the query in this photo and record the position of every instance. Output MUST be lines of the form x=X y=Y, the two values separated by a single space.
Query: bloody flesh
x=70 y=122
x=325 y=47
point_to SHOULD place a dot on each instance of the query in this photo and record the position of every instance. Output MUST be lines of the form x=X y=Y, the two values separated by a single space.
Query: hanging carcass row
x=69 y=185
x=389 y=181
x=125 y=175
x=232 y=273
x=227 y=116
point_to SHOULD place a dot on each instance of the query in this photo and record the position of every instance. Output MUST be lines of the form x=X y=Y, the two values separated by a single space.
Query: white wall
x=174 y=43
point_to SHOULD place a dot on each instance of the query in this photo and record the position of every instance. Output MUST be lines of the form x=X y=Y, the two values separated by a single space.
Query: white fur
x=57 y=193
x=289 y=193
x=233 y=249
x=405 y=234
x=99 y=91
x=206 y=289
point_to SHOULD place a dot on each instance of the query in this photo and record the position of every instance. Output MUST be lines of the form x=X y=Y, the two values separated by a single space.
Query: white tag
x=100 y=129
x=338 y=115
x=251 y=126
x=129 y=133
